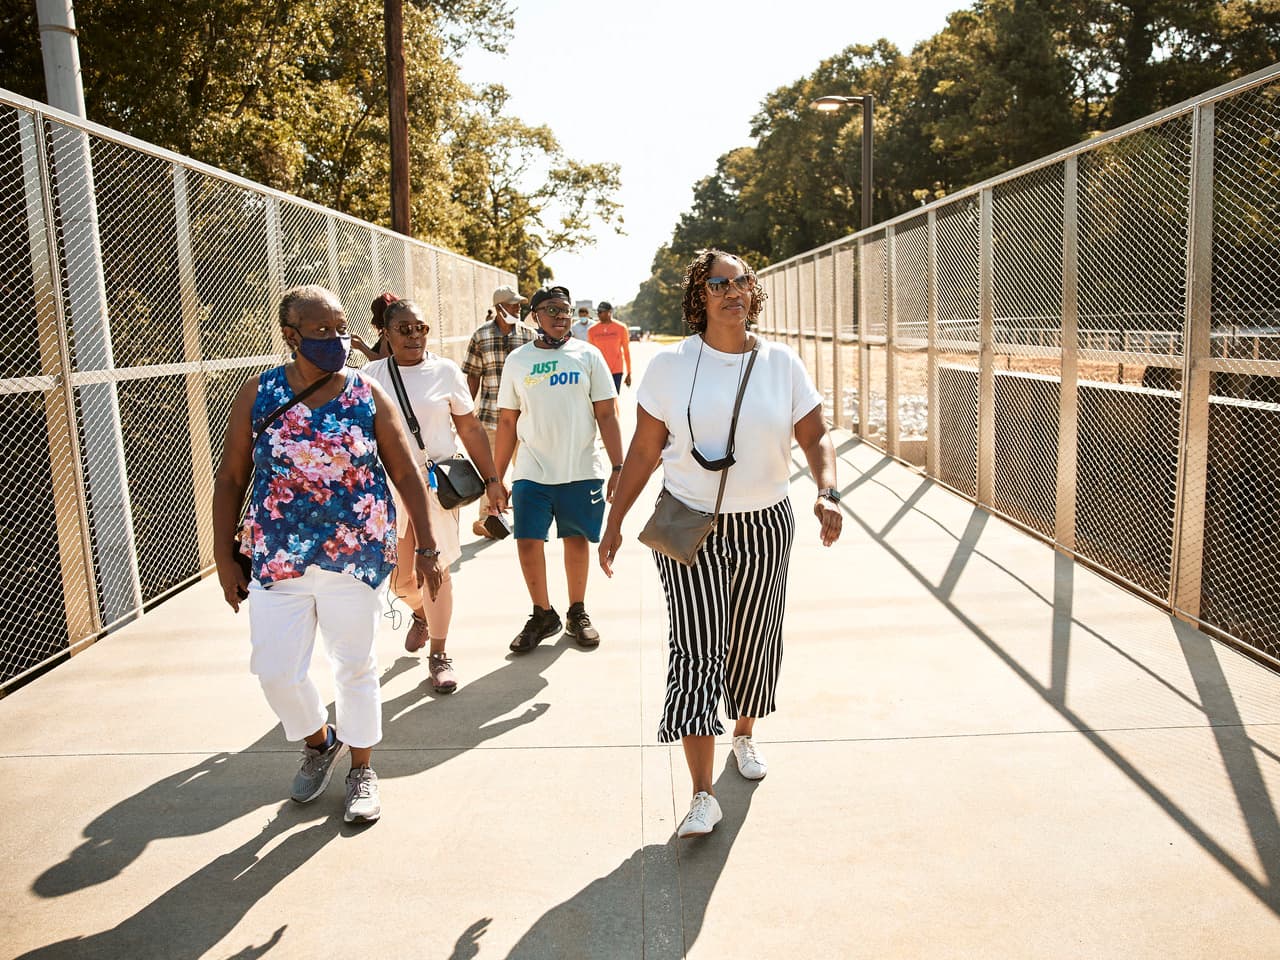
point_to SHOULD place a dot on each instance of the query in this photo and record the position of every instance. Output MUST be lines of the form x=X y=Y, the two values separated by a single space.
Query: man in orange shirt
x=614 y=341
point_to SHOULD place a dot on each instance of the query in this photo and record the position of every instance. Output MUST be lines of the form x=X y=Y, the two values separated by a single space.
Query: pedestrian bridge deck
x=983 y=750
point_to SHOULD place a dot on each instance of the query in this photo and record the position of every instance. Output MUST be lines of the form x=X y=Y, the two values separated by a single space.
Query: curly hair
x=694 y=304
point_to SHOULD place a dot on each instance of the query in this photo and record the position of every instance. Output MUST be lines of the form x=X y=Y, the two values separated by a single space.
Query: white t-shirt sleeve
x=804 y=395
x=601 y=378
x=460 y=401
x=654 y=388
x=508 y=399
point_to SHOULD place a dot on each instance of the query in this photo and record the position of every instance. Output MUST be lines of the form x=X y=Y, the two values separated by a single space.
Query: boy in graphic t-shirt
x=555 y=393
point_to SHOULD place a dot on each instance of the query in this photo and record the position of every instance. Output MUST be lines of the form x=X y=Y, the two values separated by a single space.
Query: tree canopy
x=294 y=95
x=1003 y=83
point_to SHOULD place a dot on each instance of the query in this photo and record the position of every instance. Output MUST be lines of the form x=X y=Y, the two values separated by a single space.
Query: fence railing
x=1087 y=346
x=137 y=291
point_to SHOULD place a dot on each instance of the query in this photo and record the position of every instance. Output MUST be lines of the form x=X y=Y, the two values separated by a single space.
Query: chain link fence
x=1088 y=346
x=138 y=291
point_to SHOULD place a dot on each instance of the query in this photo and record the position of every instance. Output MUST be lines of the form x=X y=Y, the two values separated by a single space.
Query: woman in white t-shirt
x=725 y=610
x=446 y=413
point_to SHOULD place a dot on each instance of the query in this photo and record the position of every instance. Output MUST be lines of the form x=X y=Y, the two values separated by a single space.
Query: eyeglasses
x=719 y=286
x=556 y=311
x=412 y=329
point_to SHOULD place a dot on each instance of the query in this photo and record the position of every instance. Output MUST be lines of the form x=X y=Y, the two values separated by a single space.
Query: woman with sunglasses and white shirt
x=726 y=609
x=445 y=412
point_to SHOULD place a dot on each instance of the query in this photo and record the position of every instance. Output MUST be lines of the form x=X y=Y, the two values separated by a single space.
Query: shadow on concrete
x=189 y=919
x=652 y=904
x=1238 y=751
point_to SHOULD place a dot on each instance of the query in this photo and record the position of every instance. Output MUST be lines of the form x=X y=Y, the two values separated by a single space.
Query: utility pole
x=398 y=115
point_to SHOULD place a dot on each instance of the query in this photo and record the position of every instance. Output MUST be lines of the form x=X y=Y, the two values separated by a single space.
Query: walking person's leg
x=532 y=503
x=697 y=600
x=282 y=631
x=579 y=517
x=348 y=610
x=761 y=544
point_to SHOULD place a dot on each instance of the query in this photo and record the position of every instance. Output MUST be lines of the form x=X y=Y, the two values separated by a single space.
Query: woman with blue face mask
x=319 y=443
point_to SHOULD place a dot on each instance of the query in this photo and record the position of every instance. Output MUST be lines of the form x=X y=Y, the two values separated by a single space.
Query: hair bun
x=379 y=306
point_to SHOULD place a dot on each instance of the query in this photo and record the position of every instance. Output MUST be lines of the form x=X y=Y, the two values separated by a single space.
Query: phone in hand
x=497 y=526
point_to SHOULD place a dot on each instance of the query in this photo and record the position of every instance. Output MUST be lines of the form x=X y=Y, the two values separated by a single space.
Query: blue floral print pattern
x=320 y=495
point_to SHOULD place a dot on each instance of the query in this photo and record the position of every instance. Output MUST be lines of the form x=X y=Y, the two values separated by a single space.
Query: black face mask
x=551 y=341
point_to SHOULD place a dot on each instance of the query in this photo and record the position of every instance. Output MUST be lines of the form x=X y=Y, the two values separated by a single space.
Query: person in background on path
x=380 y=348
x=488 y=350
x=445 y=413
x=725 y=610
x=612 y=339
x=582 y=325
x=556 y=392
x=320 y=536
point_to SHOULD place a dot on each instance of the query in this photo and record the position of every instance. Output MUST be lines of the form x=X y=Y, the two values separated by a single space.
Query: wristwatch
x=616 y=468
x=489 y=480
x=830 y=493
x=426 y=552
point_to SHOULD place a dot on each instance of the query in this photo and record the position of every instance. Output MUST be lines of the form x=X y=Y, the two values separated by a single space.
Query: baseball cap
x=507 y=295
x=604 y=305
x=549 y=293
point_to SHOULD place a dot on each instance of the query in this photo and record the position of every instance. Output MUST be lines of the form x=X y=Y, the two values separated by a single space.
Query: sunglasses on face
x=412 y=329
x=556 y=311
x=719 y=286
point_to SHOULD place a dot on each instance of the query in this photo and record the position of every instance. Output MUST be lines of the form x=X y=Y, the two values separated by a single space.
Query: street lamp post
x=832 y=104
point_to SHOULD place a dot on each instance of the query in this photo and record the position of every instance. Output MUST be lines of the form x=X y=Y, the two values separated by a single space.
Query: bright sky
x=664 y=87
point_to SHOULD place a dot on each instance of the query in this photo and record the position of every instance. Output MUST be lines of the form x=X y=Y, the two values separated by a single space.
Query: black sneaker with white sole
x=578 y=625
x=539 y=626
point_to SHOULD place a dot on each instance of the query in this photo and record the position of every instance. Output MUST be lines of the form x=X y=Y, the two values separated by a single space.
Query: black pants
x=726 y=613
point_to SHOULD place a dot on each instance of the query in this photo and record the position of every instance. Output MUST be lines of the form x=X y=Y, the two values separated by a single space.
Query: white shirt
x=555 y=392
x=437 y=390
x=580 y=327
x=778 y=395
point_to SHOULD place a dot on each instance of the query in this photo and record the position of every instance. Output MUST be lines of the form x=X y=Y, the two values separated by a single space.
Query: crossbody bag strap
x=279 y=411
x=733 y=424
x=403 y=399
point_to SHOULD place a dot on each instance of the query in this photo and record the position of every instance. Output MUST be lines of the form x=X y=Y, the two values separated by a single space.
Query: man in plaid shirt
x=486 y=354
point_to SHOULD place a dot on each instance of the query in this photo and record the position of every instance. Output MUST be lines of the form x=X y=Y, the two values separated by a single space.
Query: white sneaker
x=363 y=803
x=704 y=813
x=750 y=763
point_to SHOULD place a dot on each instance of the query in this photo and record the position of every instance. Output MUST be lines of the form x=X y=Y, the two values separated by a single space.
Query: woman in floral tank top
x=319 y=537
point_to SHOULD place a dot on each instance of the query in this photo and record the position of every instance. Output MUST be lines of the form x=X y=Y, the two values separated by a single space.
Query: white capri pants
x=282 y=630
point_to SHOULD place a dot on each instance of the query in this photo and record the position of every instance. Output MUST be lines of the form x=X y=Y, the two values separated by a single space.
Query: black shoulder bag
x=243 y=559
x=457 y=482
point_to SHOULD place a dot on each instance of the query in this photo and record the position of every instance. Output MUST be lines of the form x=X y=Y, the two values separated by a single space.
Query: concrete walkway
x=982 y=750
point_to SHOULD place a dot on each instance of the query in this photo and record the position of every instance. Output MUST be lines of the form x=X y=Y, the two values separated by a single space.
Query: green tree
x=523 y=198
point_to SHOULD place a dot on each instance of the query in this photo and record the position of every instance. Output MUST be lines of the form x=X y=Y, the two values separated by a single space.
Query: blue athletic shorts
x=578 y=509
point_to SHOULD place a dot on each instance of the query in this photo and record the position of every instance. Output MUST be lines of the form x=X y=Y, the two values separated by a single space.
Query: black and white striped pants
x=726 y=613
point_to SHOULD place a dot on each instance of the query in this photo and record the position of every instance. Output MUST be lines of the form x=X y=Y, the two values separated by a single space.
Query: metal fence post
x=890 y=346
x=75 y=550
x=837 y=366
x=275 y=269
x=986 y=352
x=111 y=514
x=1193 y=451
x=864 y=348
x=931 y=428
x=1068 y=395
x=197 y=407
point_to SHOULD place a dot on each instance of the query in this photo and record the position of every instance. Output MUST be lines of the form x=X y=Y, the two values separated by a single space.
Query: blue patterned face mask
x=329 y=354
